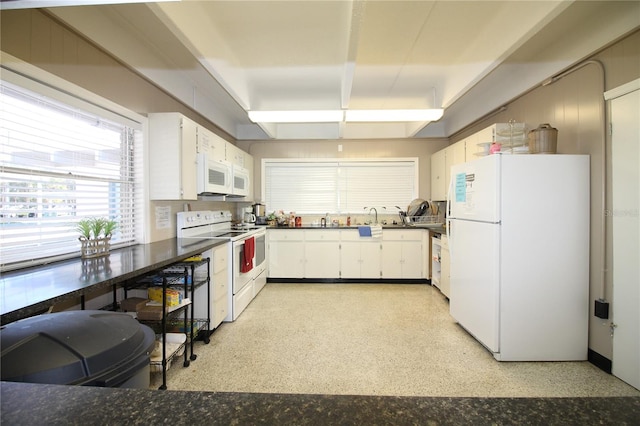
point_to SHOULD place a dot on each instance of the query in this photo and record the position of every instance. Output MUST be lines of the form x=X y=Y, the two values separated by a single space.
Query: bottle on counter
x=348 y=220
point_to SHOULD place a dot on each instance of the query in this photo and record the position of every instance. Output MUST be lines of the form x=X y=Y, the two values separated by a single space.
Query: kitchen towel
x=365 y=231
x=370 y=231
x=248 y=252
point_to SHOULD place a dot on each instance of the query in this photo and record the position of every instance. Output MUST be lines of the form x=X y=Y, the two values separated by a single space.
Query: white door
x=412 y=259
x=370 y=258
x=392 y=259
x=322 y=259
x=286 y=257
x=350 y=259
x=625 y=111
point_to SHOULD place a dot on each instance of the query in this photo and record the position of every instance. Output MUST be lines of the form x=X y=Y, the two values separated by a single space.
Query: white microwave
x=214 y=177
x=240 y=181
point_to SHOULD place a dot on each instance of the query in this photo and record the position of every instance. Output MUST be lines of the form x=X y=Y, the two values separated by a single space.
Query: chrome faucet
x=376 y=212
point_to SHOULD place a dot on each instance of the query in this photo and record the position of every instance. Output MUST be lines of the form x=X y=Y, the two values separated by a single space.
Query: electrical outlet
x=601 y=309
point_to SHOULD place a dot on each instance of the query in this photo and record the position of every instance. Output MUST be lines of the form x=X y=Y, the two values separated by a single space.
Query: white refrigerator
x=519 y=247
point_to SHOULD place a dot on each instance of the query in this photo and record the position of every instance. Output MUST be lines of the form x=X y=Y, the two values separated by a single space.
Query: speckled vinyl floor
x=369 y=339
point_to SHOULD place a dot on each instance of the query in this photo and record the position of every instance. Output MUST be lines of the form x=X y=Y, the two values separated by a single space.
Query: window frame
x=18 y=73
x=339 y=202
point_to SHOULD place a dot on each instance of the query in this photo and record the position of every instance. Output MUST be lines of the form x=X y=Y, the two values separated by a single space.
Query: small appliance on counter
x=248 y=216
x=260 y=212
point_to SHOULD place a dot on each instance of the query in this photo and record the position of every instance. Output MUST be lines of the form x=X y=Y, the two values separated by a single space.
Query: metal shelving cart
x=166 y=318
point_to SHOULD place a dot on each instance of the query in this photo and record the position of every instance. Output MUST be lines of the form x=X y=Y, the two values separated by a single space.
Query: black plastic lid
x=74 y=347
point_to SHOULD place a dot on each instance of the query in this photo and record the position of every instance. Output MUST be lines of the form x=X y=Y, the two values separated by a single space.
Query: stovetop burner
x=243 y=227
x=212 y=224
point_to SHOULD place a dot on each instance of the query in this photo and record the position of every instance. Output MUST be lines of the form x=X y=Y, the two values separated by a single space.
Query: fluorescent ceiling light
x=30 y=4
x=335 y=116
x=382 y=115
x=322 y=116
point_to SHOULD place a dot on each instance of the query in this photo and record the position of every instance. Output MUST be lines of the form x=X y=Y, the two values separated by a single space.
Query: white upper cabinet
x=487 y=135
x=478 y=144
x=468 y=149
x=455 y=154
x=211 y=144
x=438 y=176
x=458 y=153
x=471 y=147
x=441 y=163
x=236 y=156
x=175 y=142
x=172 y=157
x=242 y=163
x=249 y=168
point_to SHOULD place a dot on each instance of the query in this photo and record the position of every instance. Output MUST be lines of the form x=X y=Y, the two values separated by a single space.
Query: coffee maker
x=259 y=210
x=248 y=218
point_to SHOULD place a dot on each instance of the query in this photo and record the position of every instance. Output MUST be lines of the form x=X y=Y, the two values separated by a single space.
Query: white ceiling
x=224 y=58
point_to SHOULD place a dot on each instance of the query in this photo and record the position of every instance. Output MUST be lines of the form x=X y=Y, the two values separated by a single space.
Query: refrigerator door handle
x=448 y=218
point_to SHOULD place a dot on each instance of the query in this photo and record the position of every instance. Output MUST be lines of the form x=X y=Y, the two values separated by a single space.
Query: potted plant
x=95 y=236
x=271 y=219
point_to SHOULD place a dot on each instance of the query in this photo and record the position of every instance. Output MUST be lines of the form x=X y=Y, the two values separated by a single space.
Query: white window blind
x=60 y=164
x=301 y=187
x=338 y=187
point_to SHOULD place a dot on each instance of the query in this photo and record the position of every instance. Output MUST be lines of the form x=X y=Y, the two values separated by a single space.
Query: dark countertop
x=354 y=227
x=438 y=230
x=31 y=291
x=30 y=404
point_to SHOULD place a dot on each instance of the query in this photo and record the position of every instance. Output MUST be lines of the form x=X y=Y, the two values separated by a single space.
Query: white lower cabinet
x=402 y=254
x=333 y=254
x=359 y=257
x=286 y=253
x=322 y=253
x=220 y=276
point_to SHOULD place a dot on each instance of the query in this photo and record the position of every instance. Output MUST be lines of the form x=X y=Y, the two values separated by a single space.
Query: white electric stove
x=217 y=225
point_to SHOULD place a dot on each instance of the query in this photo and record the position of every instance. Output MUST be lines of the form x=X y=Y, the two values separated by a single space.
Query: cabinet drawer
x=402 y=235
x=220 y=259
x=220 y=285
x=219 y=313
x=286 y=235
x=321 y=235
x=352 y=235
